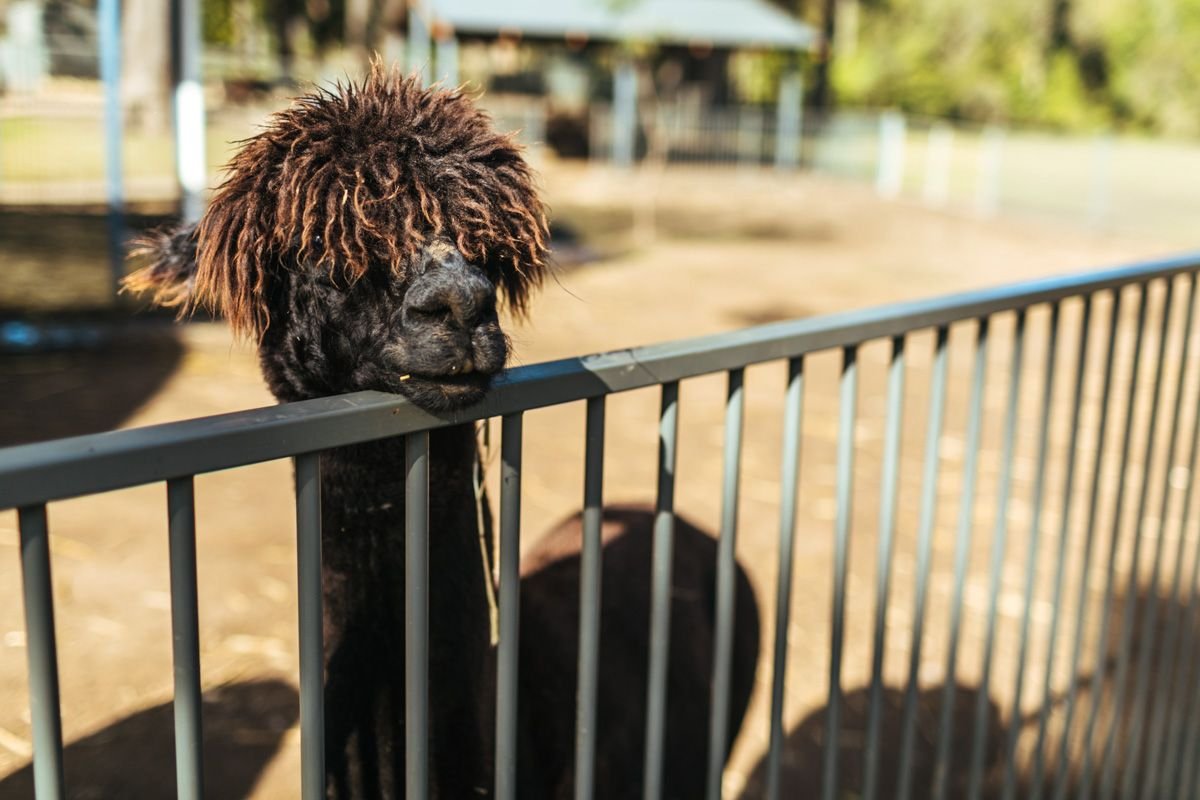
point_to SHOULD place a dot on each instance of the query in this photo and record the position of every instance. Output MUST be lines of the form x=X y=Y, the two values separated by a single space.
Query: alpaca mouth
x=445 y=391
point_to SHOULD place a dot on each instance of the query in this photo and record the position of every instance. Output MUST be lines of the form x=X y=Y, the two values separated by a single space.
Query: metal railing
x=33 y=475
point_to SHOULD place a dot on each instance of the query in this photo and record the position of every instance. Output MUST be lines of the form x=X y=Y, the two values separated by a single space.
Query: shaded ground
x=726 y=250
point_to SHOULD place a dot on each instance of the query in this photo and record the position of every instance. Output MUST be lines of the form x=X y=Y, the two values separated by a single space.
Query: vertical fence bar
x=1108 y=776
x=789 y=475
x=883 y=570
x=185 y=635
x=312 y=666
x=1184 y=666
x=718 y=722
x=999 y=546
x=42 y=652
x=1101 y=663
x=929 y=478
x=1035 y=535
x=1064 y=535
x=1141 y=681
x=510 y=607
x=1188 y=756
x=1185 y=659
x=841 y=555
x=1081 y=604
x=660 y=610
x=416 y=615
x=589 y=602
x=1170 y=643
x=962 y=556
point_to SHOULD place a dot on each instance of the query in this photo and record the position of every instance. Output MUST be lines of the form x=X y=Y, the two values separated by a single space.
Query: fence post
x=1100 y=185
x=938 y=150
x=749 y=136
x=789 y=121
x=624 y=114
x=446 y=60
x=889 y=177
x=110 y=74
x=190 y=166
x=418 y=43
x=991 y=161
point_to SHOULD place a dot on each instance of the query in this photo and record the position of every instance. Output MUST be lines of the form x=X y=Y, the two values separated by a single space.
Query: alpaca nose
x=453 y=292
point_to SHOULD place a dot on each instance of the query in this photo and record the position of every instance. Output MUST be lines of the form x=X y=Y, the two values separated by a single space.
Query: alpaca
x=363 y=239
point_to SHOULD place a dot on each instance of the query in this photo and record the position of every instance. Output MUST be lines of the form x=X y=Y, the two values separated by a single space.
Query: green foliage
x=1125 y=63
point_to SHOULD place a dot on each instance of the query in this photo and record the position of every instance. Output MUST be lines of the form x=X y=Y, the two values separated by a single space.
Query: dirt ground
x=727 y=249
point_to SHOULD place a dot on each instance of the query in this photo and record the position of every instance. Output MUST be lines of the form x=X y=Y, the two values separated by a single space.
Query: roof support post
x=624 y=113
x=789 y=121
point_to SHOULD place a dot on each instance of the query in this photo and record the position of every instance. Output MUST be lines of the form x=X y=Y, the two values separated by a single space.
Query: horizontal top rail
x=45 y=471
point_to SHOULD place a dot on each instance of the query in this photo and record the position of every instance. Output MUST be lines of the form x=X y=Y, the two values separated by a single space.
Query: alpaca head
x=364 y=239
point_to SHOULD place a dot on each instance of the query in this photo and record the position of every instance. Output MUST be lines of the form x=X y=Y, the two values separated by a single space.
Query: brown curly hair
x=360 y=174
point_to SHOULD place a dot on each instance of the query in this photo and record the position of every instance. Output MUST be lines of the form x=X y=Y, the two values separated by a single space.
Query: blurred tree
x=146 y=64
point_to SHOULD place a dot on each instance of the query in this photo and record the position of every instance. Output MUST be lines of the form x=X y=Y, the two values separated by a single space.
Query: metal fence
x=1093 y=363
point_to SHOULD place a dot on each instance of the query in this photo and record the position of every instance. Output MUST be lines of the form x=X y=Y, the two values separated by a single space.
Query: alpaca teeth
x=405 y=377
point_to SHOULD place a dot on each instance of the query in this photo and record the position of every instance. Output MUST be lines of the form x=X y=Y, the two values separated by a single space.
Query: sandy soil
x=727 y=250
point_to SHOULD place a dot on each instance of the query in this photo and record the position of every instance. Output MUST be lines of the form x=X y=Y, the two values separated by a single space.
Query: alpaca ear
x=169 y=271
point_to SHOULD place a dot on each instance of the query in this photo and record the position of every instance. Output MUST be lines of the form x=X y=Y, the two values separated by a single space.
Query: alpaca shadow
x=244 y=725
x=68 y=376
x=801 y=770
x=802 y=763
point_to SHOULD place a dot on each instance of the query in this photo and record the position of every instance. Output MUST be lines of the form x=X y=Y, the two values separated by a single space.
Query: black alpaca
x=362 y=239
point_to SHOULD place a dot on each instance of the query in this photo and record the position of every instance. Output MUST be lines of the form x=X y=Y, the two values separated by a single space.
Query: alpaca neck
x=363 y=515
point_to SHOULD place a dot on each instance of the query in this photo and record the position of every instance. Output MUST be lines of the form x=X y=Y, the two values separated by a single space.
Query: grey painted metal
x=1101 y=662
x=185 y=635
x=929 y=481
x=1035 y=537
x=510 y=607
x=1184 y=664
x=718 y=721
x=416 y=615
x=841 y=557
x=1171 y=641
x=883 y=573
x=1108 y=775
x=999 y=548
x=1189 y=757
x=1060 y=561
x=1146 y=641
x=789 y=477
x=312 y=664
x=109 y=19
x=41 y=649
x=962 y=556
x=591 y=564
x=660 y=592
x=1081 y=605
x=101 y=462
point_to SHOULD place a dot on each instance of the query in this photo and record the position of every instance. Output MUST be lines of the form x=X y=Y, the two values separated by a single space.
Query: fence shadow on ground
x=91 y=385
x=802 y=763
x=134 y=757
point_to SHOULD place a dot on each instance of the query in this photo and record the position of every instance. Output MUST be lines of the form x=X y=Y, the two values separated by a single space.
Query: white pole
x=938 y=151
x=991 y=163
x=624 y=114
x=190 y=163
x=446 y=61
x=418 y=45
x=789 y=121
x=889 y=178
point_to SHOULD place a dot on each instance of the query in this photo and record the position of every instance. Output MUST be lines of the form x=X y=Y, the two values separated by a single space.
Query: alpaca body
x=363 y=580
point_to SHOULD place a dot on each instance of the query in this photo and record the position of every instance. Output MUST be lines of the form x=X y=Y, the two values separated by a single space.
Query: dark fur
x=361 y=239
